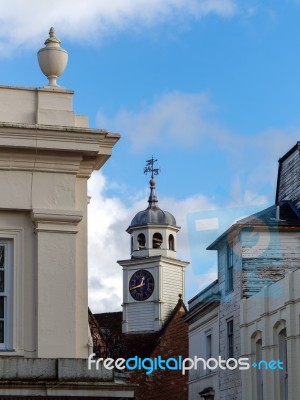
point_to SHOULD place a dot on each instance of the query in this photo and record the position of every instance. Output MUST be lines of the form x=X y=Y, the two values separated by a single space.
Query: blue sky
x=211 y=88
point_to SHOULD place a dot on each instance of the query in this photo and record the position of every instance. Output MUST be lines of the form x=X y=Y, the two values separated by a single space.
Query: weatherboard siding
x=172 y=287
x=289 y=179
x=141 y=316
x=266 y=258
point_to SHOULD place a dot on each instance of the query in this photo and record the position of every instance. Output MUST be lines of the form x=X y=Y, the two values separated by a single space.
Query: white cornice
x=93 y=145
x=152 y=260
x=56 y=220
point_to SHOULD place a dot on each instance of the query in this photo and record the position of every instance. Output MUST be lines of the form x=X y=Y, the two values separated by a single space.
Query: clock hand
x=140 y=285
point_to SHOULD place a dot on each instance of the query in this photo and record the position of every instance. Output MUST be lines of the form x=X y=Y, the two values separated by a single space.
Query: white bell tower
x=153 y=277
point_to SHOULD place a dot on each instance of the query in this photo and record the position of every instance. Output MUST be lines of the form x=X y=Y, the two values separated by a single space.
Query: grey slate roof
x=289 y=216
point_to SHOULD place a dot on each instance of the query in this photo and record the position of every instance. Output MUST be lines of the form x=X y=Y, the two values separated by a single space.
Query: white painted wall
x=276 y=307
x=200 y=379
x=150 y=315
x=39 y=106
x=46 y=158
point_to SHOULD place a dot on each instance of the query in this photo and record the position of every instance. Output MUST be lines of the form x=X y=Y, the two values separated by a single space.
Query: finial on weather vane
x=150 y=168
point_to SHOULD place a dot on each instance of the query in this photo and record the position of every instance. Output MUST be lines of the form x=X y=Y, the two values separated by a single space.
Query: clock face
x=141 y=285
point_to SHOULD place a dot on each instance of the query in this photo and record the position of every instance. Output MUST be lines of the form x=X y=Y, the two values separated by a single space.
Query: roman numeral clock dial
x=141 y=285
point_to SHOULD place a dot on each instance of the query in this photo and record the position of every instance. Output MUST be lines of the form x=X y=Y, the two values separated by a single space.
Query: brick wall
x=166 y=385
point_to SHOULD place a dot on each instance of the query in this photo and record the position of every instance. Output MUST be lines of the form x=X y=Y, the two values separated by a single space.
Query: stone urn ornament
x=52 y=59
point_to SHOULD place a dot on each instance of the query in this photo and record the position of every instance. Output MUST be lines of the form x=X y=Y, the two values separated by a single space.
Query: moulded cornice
x=40 y=89
x=30 y=160
x=84 y=140
x=57 y=215
x=152 y=260
x=56 y=220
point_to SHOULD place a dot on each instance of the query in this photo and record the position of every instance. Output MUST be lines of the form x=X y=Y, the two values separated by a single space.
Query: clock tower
x=153 y=277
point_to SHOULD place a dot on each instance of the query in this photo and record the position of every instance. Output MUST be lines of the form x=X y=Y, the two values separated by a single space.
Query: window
x=208 y=346
x=230 y=339
x=259 y=376
x=208 y=349
x=229 y=269
x=5 y=294
x=157 y=240
x=11 y=293
x=171 y=242
x=141 y=241
x=283 y=357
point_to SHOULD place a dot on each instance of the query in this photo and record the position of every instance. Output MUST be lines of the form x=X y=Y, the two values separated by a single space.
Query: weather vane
x=150 y=168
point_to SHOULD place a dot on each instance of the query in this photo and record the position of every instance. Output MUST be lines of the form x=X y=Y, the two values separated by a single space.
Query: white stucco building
x=203 y=319
x=270 y=330
x=47 y=154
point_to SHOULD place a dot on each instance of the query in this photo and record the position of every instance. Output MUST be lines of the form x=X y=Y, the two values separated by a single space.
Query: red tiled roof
x=130 y=344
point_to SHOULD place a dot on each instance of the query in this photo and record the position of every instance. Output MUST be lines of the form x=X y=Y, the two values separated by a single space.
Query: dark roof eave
x=276 y=224
x=215 y=244
x=202 y=307
x=211 y=298
x=214 y=283
x=291 y=151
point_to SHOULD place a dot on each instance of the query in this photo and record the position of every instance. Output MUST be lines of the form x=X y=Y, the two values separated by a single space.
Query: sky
x=210 y=88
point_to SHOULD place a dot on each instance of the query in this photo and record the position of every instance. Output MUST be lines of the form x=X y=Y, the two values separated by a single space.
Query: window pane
x=1 y=307
x=230 y=339
x=229 y=272
x=2 y=281
x=208 y=346
x=230 y=280
x=1 y=331
x=2 y=256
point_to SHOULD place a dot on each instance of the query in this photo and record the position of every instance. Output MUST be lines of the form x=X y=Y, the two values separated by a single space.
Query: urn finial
x=52 y=59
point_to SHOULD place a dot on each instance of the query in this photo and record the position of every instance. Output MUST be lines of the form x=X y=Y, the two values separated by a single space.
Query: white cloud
x=108 y=241
x=173 y=119
x=23 y=22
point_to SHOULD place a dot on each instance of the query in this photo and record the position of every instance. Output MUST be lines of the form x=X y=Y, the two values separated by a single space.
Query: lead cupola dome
x=153 y=214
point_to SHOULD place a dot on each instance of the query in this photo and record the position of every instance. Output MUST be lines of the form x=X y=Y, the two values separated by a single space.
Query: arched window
x=282 y=344
x=259 y=376
x=257 y=357
x=157 y=240
x=171 y=243
x=280 y=341
x=141 y=241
